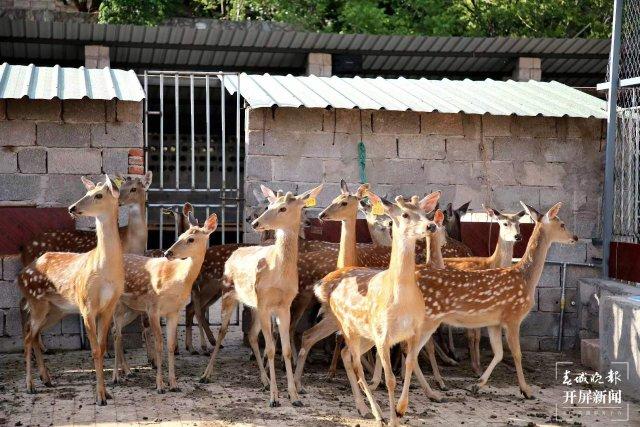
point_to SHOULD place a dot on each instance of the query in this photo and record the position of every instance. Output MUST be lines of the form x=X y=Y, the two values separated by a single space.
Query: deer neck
x=453 y=230
x=434 y=250
x=136 y=234
x=285 y=254
x=190 y=268
x=532 y=263
x=108 y=251
x=379 y=237
x=502 y=254
x=402 y=266
x=347 y=254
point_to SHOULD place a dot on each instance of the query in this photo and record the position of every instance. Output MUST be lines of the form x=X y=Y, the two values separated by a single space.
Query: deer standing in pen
x=160 y=287
x=265 y=278
x=383 y=308
x=509 y=234
x=60 y=283
x=499 y=298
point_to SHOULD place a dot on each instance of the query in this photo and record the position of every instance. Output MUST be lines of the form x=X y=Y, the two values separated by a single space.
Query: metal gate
x=192 y=139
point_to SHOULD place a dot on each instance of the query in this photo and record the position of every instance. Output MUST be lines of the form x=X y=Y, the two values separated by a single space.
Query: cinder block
x=441 y=124
x=496 y=125
x=354 y=122
x=127 y=111
x=1 y=323
x=32 y=160
x=590 y=353
x=551 y=343
x=441 y=172
x=522 y=149
x=395 y=171
x=529 y=343
x=336 y=169
x=3 y=109
x=543 y=174
x=509 y=197
x=568 y=253
x=294 y=119
x=258 y=168
x=423 y=147
x=540 y=324
x=494 y=172
x=136 y=170
x=472 y=126
x=115 y=160
x=20 y=187
x=537 y=127
x=461 y=148
x=9 y=294
x=8 y=160
x=11 y=344
x=73 y=161
x=11 y=266
x=62 y=341
x=71 y=324
x=13 y=322
x=17 y=132
x=549 y=300
x=380 y=146
x=63 y=190
x=117 y=135
x=396 y=122
x=296 y=169
x=84 y=111
x=64 y=134
x=34 y=109
x=550 y=277
x=575 y=273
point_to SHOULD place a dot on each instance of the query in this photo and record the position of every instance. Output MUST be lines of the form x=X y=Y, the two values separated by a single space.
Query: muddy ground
x=236 y=397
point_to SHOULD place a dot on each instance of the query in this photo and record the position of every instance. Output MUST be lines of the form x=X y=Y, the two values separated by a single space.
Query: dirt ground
x=236 y=397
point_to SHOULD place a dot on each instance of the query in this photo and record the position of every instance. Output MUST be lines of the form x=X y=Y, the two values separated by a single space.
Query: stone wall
x=495 y=160
x=45 y=146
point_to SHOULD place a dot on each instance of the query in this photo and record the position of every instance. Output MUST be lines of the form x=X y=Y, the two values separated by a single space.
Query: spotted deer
x=383 y=308
x=60 y=283
x=499 y=298
x=265 y=278
x=161 y=287
x=379 y=225
x=509 y=234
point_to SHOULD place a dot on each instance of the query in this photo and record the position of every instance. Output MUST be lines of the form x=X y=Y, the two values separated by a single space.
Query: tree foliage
x=490 y=18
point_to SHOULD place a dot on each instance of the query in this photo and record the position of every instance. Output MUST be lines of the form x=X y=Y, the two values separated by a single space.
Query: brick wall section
x=44 y=148
x=495 y=160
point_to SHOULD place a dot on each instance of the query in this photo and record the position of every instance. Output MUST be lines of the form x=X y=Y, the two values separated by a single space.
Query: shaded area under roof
x=29 y=81
x=577 y=62
x=532 y=98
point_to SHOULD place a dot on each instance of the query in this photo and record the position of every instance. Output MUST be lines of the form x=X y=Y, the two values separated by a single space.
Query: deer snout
x=575 y=238
x=255 y=224
x=322 y=215
x=518 y=237
x=169 y=254
x=73 y=210
x=431 y=228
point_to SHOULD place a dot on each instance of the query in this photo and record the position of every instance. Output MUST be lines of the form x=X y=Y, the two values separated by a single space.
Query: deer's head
x=509 y=224
x=133 y=189
x=452 y=219
x=553 y=227
x=440 y=232
x=283 y=213
x=192 y=242
x=264 y=197
x=101 y=199
x=345 y=206
x=409 y=217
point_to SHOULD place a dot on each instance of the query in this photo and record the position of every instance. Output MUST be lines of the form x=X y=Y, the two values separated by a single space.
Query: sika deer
x=501 y=257
x=379 y=225
x=497 y=298
x=160 y=287
x=383 y=308
x=60 y=283
x=265 y=278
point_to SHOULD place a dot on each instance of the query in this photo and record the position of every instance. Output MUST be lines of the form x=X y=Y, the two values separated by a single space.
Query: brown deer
x=265 y=278
x=509 y=226
x=160 y=287
x=379 y=225
x=60 y=283
x=498 y=298
x=383 y=308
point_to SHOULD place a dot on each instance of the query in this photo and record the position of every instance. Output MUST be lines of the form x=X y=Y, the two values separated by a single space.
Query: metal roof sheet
x=29 y=81
x=532 y=98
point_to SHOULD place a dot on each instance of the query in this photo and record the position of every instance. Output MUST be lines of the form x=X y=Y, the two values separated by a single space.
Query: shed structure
x=490 y=142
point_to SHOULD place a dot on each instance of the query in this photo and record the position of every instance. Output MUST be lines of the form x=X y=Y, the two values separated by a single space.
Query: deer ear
x=258 y=195
x=534 y=214
x=310 y=193
x=553 y=212
x=148 y=178
x=438 y=218
x=112 y=187
x=464 y=208
x=449 y=210
x=268 y=193
x=493 y=213
x=88 y=184
x=521 y=214
x=430 y=201
x=211 y=223
x=193 y=221
x=361 y=191
x=187 y=209
x=344 y=189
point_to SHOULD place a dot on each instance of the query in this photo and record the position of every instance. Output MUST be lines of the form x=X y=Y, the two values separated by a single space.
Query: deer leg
x=172 y=327
x=495 y=337
x=104 y=322
x=440 y=352
x=37 y=316
x=298 y=308
x=428 y=391
x=121 y=318
x=284 y=322
x=377 y=374
x=477 y=340
x=410 y=364
x=188 y=323
x=320 y=330
x=513 y=340
x=270 y=350
x=156 y=329
x=147 y=335
x=434 y=364
x=96 y=353
x=53 y=316
x=203 y=324
x=362 y=408
x=254 y=332
x=390 y=380
x=336 y=354
x=228 y=305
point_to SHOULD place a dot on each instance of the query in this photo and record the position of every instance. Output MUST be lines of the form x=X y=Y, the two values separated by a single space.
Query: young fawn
x=383 y=308
x=498 y=298
x=160 y=287
x=60 y=283
x=509 y=234
x=265 y=278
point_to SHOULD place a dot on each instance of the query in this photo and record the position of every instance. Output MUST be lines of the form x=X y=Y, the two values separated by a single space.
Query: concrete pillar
x=528 y=69
x=96 y=56
x=319 y=64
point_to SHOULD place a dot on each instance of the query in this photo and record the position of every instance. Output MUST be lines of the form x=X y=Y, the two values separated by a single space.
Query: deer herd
x=414 y=278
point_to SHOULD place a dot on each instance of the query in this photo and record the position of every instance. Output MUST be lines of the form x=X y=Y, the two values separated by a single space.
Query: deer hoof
x=443 y=387
x=204 y=380
x=47 y=383
x=297 y=403
x=527 y=394
x=175 y=389
x=195 y=352
x=475 y=389
x=101 y=402
x=107 y=395
x=274 y=403
x=161 y=391
x=31 y=390
x=302 y=390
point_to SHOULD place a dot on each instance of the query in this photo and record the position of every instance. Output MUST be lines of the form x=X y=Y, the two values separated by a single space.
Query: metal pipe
x=146 y=120
x=177 y=107
x=161 y=131
x=563 y=281
x=607 y=204
x=160 y=226
x=195 y=205
x=193 y=136
x=238 y=192
x=224 y=157
x=185 y=190
x=208 y=122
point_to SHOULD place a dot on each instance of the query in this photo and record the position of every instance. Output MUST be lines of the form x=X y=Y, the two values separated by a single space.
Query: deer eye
x=506 y=224
x=344 y=203
x=283 y=209
x=562 y=225
x=190 y=240
x=133 y=190
x=98 y=196
x=405 y=215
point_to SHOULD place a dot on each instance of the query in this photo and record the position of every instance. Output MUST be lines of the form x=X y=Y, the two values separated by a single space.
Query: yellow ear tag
x=377 y=209
x=310 y=202
x=118 y=182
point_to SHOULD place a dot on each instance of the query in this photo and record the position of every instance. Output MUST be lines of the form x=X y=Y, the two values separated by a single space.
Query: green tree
x=147 y=12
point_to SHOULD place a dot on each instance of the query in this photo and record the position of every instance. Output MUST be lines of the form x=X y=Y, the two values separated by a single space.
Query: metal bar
x=186 y=190
x=193 y=135
x=238 y=158
x=208 y=122
x=563 y=282
x=607 y=204
x=176 y=84
x=160 y=226
x=224 y=156
x=630 y=82
x=146 y=120
x=161 y=132
x=195 y=205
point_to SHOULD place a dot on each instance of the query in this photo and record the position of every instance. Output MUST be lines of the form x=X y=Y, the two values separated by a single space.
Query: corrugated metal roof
x=262 y=48
x=503 y=98
x=29 y=81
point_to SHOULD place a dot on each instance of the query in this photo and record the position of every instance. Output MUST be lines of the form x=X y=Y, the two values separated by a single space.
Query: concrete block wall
x=495 y=160
x=45 y=146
